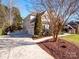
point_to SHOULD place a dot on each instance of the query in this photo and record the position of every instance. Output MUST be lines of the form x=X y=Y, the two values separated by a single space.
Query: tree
x=10 y=14
x=4 y=20
x=17 y=21
x=38 y=25
x=3 y=13
x=59 y=12
x=0 y=1
x=77 y=13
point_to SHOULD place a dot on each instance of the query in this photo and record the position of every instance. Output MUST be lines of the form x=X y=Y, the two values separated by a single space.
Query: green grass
x=74 y=38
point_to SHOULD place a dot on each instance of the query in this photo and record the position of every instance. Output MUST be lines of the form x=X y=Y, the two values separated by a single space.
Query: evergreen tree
x=38 y=25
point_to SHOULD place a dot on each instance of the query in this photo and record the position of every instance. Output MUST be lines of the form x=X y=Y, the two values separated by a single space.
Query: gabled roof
x=32 y=14
x=73 y=24
x=77 y=21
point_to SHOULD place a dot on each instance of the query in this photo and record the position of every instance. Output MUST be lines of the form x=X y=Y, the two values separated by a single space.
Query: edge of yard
x=74 y=38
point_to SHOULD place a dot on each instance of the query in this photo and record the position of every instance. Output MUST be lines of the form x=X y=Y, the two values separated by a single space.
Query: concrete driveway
x=20 y=49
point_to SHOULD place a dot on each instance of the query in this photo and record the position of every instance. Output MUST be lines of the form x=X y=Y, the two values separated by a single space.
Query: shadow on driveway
x=20 y=34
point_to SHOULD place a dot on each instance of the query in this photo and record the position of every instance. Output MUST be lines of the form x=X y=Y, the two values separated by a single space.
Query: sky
x=23 y=5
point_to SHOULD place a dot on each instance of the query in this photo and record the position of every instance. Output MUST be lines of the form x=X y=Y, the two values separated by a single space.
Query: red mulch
x=61 y=49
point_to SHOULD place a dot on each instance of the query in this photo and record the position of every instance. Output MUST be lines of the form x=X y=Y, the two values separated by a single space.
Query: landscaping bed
x=61 y=49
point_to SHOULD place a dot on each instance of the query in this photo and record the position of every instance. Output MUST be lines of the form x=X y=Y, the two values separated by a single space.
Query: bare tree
x=77 y=13
x=0 y=1
x=10 y=15
x=59 y=12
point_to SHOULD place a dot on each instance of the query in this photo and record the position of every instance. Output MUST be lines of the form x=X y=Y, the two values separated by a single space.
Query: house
x=77 y=26
x=69 y=29
x=72 y=27
x=28 y=24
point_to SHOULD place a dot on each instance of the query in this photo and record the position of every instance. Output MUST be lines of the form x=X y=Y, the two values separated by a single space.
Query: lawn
x=74 y=38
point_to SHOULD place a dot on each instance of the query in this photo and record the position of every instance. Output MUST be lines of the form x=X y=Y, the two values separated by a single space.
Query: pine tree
x=38 y=25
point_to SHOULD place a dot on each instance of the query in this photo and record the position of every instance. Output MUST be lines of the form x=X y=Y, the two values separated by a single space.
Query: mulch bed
x=61 y=49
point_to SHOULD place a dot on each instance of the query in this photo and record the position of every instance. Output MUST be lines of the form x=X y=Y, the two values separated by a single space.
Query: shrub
x=4 y=32
x=35 y=36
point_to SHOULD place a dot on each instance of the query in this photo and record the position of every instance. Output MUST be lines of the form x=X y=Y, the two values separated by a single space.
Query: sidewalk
x=30 y=40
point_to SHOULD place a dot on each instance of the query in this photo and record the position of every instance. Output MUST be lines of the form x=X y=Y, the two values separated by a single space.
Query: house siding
x=29 y=27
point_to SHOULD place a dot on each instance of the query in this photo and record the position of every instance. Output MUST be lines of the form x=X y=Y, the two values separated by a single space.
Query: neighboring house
x=69 y=29
x=29 y=21
x=77 y=22
x=72 y=27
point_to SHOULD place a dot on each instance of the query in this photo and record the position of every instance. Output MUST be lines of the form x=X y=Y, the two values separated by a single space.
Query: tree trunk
x=55 y=38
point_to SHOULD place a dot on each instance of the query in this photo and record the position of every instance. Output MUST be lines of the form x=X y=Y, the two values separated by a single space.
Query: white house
x=29 y=21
